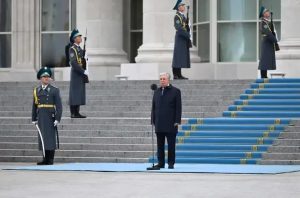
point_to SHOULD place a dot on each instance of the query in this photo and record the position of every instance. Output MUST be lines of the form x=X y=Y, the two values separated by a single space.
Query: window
x=5 y=33
x=235 y=31
x=201 y=28
x=133 y=27
x=57 y=21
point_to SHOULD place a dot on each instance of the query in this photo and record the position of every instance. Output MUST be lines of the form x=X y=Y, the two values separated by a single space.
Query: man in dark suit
x=166 y=116
x=267 y=59
x=46 y=113
x=78 y=75
x=181 y=56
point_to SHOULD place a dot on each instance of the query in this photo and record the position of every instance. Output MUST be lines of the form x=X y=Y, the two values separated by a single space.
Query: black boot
x=43 y=162
x=78 y=115
x=45 y=159
x=50 y=159
x=72 y=109
x=181 y=76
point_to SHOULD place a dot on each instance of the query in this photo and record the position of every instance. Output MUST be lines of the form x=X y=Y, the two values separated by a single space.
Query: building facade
x=135 y=38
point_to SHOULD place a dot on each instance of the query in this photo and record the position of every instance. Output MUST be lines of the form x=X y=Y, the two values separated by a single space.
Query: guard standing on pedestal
x=46 y=114
x=268 y=43
x=181 y=56
x=79 y=75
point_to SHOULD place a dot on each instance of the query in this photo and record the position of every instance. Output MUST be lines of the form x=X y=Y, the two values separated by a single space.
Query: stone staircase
x=118 y=125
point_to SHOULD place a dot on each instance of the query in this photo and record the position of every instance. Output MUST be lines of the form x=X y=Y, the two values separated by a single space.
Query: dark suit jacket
x=166 y=109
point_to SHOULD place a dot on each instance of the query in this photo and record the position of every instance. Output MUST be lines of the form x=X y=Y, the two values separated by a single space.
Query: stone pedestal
x=288 y=58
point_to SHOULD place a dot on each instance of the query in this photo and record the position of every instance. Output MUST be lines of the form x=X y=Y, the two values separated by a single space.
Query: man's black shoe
x=81 y=116
x=78 y=116
x=159 y=166
x=171 y=166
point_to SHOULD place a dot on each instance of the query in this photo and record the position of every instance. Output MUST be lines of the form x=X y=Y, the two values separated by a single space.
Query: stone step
x=79 y=146
x=209 y=102
x=35 y=159
x=287 y=142
x=81 y=133
x=28 y=99
x=284 y=149
x=279 y=162
x=90 y=140
x=28 y=108
x=78 y=153
x=290 y=135
x=281 y=156
x=234 y=89
x=116 y=114
x=136 y=83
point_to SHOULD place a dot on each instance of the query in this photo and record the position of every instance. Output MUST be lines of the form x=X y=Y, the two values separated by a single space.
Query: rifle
x=273 y=32
x=188 y=29
x=83 y=60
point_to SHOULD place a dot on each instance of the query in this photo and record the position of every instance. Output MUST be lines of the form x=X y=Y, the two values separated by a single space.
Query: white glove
x=34 y=122
x=86 y=72
x=55 y=123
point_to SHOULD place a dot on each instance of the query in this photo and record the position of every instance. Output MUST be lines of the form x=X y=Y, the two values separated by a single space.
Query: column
x=159 y=33
x=24 y=41
x=104 y=22
x=288 y=58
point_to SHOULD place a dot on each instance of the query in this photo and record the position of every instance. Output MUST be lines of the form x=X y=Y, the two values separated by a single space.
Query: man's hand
x=34 y=122
x=176 y=125
x=86 y=72
x=55 y=123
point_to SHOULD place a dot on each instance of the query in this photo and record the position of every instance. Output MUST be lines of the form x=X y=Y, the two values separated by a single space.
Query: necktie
x=162 y=91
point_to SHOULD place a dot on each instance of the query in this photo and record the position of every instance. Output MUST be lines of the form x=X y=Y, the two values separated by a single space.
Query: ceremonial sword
x=42 y=140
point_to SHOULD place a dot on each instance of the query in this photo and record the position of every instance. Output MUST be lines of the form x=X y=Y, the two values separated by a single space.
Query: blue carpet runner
x=246 y=130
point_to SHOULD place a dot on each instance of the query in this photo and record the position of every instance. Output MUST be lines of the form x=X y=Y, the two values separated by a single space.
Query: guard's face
x=164 y=80
x=45 y=80
x=181 y=8
x=78 y=39
x=267 y=14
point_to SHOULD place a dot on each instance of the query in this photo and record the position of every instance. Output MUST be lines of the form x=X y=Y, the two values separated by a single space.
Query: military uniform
x=267 y=58
x=77 y=93
x=181 y=55
x=46 y=109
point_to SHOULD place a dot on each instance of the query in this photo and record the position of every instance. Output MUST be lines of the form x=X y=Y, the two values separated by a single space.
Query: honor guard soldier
x=181 y=55
x=79 y=75
x=268 y=43
x=46 y=114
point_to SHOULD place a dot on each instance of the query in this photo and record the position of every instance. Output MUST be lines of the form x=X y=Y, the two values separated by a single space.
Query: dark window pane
x=194 y=11
x=136 y=42
x=204 y=42
x=53 y=49
x=5 y=51
x=136 y=15
x=203 y=10
x=5 y=15
x=55 y=15
x=73 y=15
x=195 y=35
x=237 y=42
x=237 y=9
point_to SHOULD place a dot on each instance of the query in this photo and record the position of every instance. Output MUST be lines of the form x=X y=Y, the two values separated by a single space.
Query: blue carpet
x=179 y=168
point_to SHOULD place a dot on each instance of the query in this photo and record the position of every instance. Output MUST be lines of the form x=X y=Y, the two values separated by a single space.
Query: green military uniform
x=47 y=109
x=267 y=57
x=181 y=54
x=77 y=93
